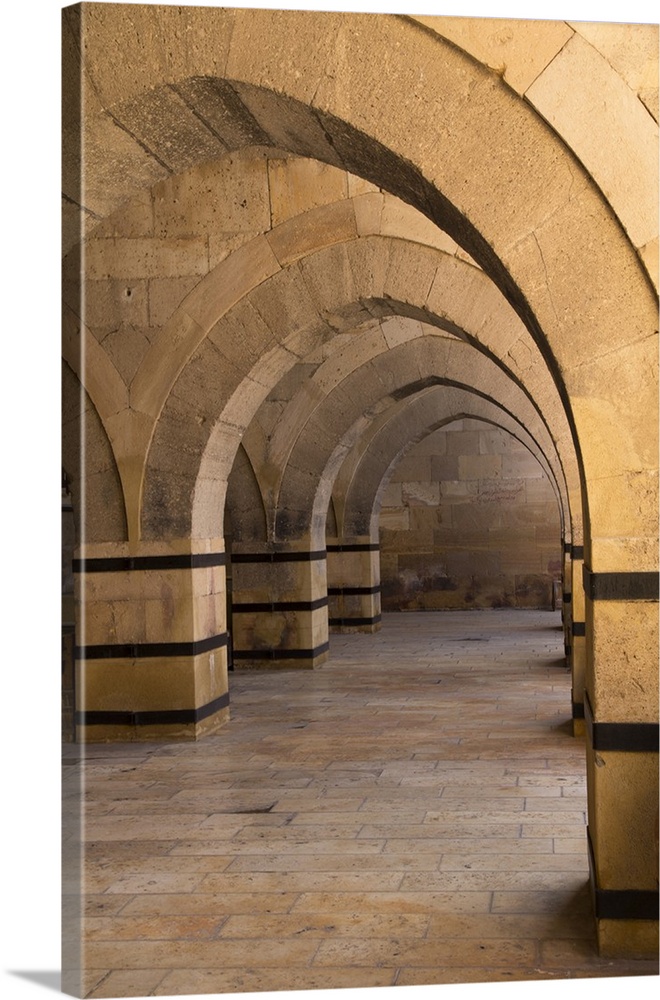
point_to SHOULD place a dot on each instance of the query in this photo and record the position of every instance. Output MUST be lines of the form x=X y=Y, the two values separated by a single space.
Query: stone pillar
x=578 y=639
x=353 y=585
x=279 y=606
x=621 y=715
x=151 y=653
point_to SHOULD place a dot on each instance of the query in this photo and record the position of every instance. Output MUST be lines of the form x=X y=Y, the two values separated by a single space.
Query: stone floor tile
x=155 y=882
x=214 y=904
x=490 y=881
x=134 y=928
x=311 y=833
x=562 y=926
x=172 y=864
x=458 y=951
x=301 y=881
x=485 y=846
x=393 y=902
x=181 y=954
x=333 y=863
x=519 y=862
x=319 y=925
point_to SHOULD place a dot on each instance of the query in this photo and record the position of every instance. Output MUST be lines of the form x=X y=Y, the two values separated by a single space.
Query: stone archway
x=484 y=166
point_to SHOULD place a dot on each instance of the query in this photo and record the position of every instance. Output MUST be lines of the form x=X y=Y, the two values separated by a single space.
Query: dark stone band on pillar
x=626 y=737
x=355 y=547
x=175 y=716
x=143 y=650
x=276 y=557
x=620 y=904
x=353 y=591
x=579 y=628
x=621 y=586
x=567 y=548
x=355 y=621
x=567 y=597
x=281 y=654
x=577 y=551
x=256 y=606
x=578 y=710
x=122 y=564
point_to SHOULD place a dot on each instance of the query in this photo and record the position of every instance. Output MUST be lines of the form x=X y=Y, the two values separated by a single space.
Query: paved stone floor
x=412 y=812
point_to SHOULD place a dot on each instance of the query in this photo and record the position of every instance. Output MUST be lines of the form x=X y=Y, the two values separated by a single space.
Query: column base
x=131 y=727
x=342 y=626
x=626 y=919
x=634 y=939
x=150 y=733
x=280 y=659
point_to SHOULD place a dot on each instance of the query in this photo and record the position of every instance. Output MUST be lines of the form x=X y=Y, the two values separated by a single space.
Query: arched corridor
x=300 y=244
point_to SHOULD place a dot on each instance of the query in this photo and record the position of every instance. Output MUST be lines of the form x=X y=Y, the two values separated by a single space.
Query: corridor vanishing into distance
x=411 y=812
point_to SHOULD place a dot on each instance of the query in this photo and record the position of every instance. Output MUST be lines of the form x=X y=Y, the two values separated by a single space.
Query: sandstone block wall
x=469 y=520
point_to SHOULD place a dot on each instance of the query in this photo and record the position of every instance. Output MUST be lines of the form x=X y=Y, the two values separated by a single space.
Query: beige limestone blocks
x=484 y=542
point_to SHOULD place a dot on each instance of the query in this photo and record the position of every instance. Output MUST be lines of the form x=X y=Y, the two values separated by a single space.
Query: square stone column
x=353 y=585
x=279 y=607
x=151 y=640
x=621 y=716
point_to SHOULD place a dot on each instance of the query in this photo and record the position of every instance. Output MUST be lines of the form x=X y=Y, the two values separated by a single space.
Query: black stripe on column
x=119 y=564
x=567 y=548
x=355 y=547
x=567 y=597
x=177 y=716
x=626 y=904
x=145 y=650
x=578 y=710
x=579 y=628
x=355 y=621
x=620 y=904
x=276 y=557
x=621 y=586
x=626 y=737
x=280 y=654
x=353 y=591
x=577 y=551
x=245 y=608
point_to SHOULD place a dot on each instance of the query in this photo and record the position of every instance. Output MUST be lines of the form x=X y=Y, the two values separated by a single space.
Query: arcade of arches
x=361 y=309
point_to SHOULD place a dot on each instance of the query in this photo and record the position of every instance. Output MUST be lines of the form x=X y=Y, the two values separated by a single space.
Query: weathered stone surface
x=227 y=194
x=621 y=153
x=519 y=50
x=298 y=185
x=493 y=545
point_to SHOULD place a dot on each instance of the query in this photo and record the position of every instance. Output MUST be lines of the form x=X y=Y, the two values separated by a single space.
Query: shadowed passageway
x=411 y=812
